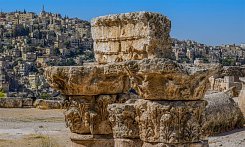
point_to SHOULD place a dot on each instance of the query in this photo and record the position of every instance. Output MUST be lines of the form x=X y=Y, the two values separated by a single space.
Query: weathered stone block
x=164 y=79
x=195 y=144
x=10 y=102
x=122 y=118
x=88 y=79
x=92 y=140
x=89 y=115
x=241 y=98
x=27 y=102
x=158 y=121
x=127 y=142
x=155 y=79
x=131 y=36
x=48 y=104
x=221 y=114
x=169 y=121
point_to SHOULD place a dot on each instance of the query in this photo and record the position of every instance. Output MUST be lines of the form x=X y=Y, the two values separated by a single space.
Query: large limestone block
x=27 y=102
x=131 y=36
x=196 y=144
x=48 y=104
x=169 y=121
x=91 y=140
x=157 y=121
x=122 y=118
x=164 y=79
x=88 y=79
x=89 y=115
x=127 y=142
x=11 y=102
x=221 y=114
x=154 y=79
x=241 y=98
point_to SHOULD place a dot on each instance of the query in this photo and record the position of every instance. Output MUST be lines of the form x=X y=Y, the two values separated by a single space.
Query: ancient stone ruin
x=242 y=96
x=134 y=95
x=222 y=114
x=131 y=36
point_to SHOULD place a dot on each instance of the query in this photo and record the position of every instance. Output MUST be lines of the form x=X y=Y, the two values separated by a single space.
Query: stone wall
x=16 y=102
x=222 y=84
x=30 y=103
x=48 y=104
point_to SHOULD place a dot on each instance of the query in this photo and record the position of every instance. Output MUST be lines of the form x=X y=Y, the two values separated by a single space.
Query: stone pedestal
x=128 y=142
x=153 y=122
x=92 y=140
x=194 y=144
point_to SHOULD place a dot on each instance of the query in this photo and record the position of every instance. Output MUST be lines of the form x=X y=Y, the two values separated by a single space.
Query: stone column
x=89 y=89
x=132 y=52
x=170 y=108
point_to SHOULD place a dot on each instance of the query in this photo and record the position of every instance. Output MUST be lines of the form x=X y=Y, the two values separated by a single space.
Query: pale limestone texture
x=153 y=79
x=158 y=121
x=88 y=79
x=16 y=102
x=48 y=104
x=91 y=140
x=241 y=98
x=131 y=36
x=221 y=114
x=89 y=115
x=195 y=144
x=164 y=79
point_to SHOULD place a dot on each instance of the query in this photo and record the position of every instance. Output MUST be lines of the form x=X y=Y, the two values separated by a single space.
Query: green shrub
x=2 y=94
x=45 y=96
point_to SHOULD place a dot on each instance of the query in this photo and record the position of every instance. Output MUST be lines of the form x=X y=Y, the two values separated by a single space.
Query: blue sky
x=213 y=22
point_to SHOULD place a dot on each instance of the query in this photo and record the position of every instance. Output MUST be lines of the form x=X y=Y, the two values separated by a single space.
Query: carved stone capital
x=122 y=118
x=89 y=115
x=164 y=79
x=169 y=121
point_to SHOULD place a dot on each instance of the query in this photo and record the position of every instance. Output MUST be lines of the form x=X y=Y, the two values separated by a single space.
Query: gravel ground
x=235 y=138
x=40 y=128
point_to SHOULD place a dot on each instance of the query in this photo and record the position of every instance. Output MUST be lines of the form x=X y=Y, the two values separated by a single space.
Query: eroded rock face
x=158 y=121
x=221 y=114
x=169 y=121
x=164 y=79
x=88 y=79
x=131 y=36
x=48 y=104
x=89 y=115
x=16 y=103
x=241 y=98
x=153 y=79
x=122 y=118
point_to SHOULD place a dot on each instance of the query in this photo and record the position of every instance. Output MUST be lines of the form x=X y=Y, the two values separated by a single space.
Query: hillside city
x=30 y=42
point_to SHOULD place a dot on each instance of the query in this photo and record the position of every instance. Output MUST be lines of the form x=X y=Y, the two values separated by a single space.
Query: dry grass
x=46 y=141
x=33 y=140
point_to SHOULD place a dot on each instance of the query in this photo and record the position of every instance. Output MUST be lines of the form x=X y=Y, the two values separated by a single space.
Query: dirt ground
x=46 y=128
x=33 y=128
